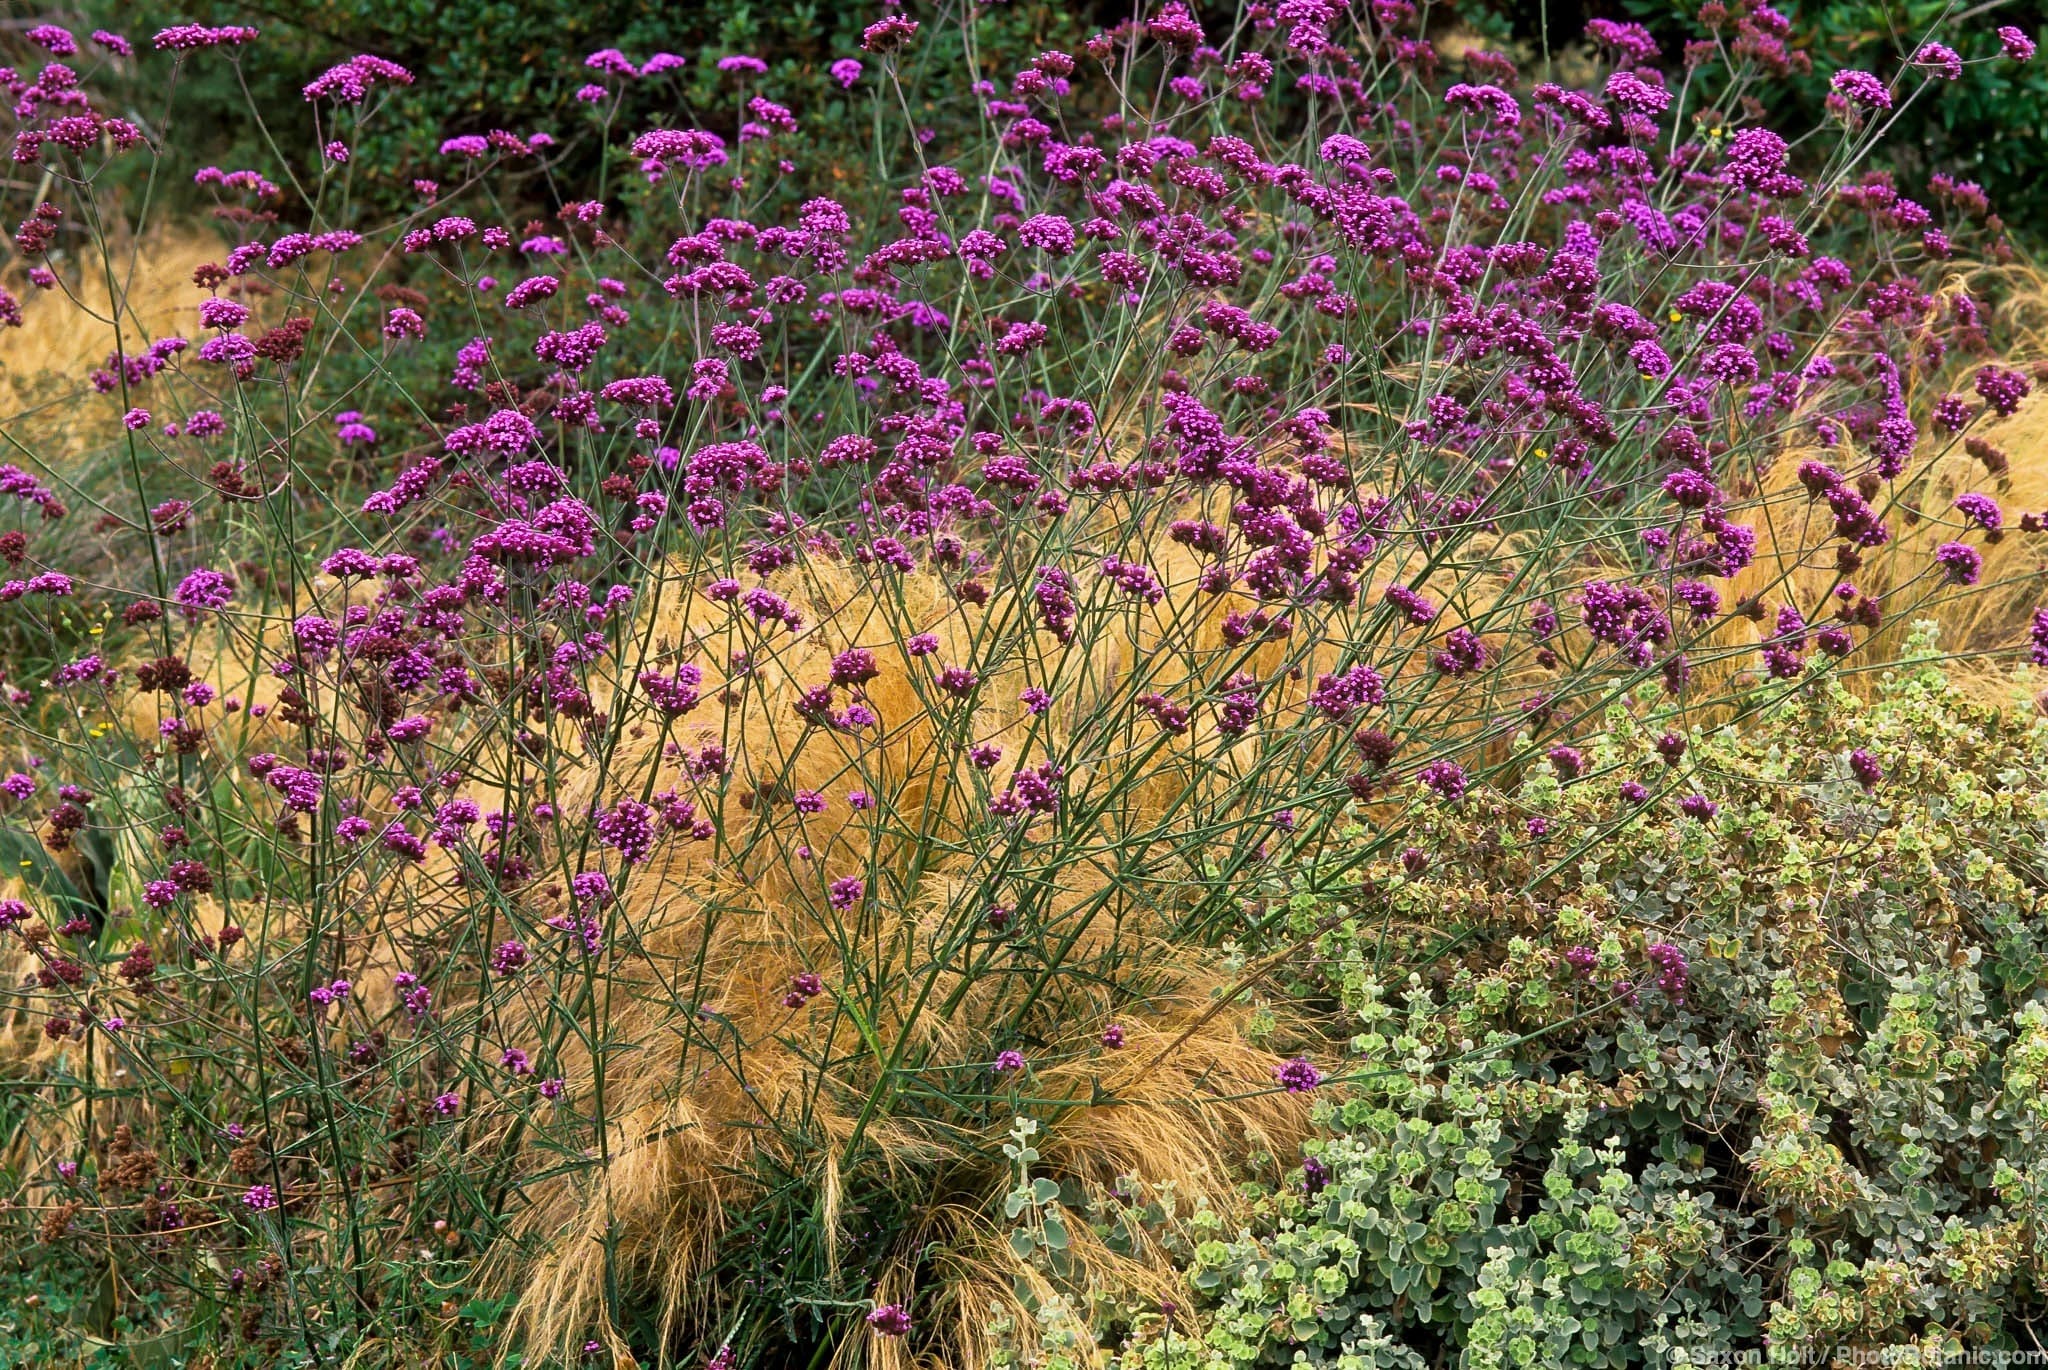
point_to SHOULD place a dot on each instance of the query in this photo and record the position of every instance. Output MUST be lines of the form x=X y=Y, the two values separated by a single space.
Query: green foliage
x=1991 y=126
x=67 y=1304
x=1827 y=1131
x=499 y=64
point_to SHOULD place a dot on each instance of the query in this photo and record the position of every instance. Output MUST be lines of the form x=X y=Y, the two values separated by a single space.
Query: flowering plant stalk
x=612 y=756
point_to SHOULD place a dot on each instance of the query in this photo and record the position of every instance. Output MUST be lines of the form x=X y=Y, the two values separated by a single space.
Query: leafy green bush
x=471 y=79
x=1990 y=126
x=1769 y=1076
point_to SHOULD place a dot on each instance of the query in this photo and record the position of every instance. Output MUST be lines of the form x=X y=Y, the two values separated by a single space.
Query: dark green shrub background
x=1990 y=127
x=516 y=63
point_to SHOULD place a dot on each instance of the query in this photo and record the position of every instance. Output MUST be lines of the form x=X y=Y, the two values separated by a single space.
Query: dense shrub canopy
x=1774 y=1075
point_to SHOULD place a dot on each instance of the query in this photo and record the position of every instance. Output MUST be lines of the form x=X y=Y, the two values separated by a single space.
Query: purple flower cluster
x=1674 y=974
x=1298 y=1076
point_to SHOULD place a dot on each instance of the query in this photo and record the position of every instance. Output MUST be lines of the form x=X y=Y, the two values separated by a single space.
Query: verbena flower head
x=1943 y=60
x=888 y=34
x=1862 y=89
x=890 y=1320
x=187 y=37
x=1298 y=1076
x=2003 y=389
x=1960 y=563
x=203 y=590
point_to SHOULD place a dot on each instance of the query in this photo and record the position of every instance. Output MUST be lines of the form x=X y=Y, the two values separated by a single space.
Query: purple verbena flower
x=1960 y=563
x=1862 y=89
x=1298 y=1076
x=890 y=1319
x=1945 y=61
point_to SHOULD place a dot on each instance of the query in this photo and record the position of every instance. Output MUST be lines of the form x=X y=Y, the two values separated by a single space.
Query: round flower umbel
x=1298 y=1076
x=2003 y=389
x=204 y=590
x=1960 y=563
x=890 y=1320
x=1942 y=60
x=1446 y=778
